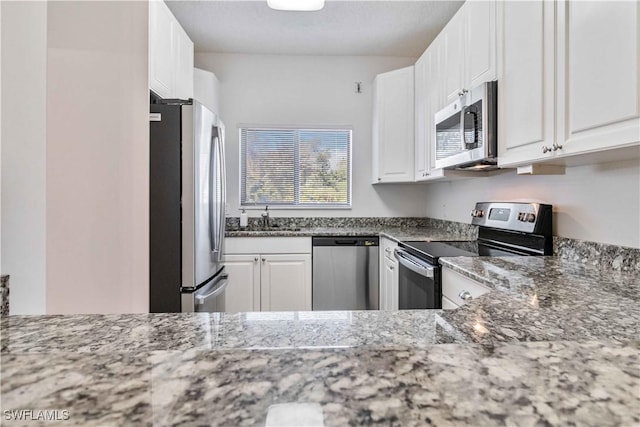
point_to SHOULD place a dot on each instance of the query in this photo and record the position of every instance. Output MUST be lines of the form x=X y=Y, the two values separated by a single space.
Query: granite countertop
x=391 y=232
x=560 y=383
x=553 y=343
x=536 y=350
x=545 y=299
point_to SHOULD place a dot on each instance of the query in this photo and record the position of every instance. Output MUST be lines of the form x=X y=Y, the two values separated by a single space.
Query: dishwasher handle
x=345 y=241
x=414 y=264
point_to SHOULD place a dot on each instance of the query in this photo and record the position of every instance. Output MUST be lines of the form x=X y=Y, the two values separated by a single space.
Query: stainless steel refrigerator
x=187 y=208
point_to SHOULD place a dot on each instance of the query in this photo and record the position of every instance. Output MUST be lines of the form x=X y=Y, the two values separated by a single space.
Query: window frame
x=301 y=206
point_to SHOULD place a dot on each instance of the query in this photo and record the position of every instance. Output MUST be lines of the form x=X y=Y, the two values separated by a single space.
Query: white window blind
x=295 y=167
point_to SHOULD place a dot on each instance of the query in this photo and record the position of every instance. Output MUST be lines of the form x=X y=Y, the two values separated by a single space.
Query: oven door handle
x=414 y=264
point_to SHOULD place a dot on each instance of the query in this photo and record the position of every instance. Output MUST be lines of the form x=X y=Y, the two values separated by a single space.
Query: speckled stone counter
x=555 y=384
x=4 y=295
x=553 y=343
x=394 y=228
x=259 y=330
x=546 y=299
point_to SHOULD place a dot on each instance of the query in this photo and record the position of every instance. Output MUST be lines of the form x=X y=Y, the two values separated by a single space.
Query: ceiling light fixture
x=296 y=5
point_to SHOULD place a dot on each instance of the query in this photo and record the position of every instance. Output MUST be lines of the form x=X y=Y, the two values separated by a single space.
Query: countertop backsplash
x=619 y=258
x=592 y=253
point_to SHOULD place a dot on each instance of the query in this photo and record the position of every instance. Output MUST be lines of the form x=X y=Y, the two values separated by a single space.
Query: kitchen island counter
x=591 y=383
x=537 y=349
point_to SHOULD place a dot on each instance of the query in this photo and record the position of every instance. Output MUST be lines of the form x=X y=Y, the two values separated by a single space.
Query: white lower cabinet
x=243 y=292
x=263 y=278
x=285 y=282
x=458 y=290
x=388 y=275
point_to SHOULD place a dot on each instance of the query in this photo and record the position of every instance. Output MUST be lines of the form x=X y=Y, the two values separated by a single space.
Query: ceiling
x=371 y=28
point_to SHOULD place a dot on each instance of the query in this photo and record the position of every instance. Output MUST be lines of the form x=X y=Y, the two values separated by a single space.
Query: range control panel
x=513 y=216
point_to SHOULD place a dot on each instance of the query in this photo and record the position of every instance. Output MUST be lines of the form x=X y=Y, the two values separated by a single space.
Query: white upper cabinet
x=453 y=60
x=393 y=133
x=161 y=48
x=170 y=54
x=480 y=43
x=598 y=72
x=184 y=65
x=422 y=117
x=469 y=48
x=525 y=81
x=568 y=79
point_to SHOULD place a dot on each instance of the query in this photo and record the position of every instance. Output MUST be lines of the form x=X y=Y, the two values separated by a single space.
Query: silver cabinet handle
x=465 y=296
x=462 y=92
x=255 y=259
x=387 y=250
x=263 y=260
x=545 y=149
x=391 y=267
x=556 y=146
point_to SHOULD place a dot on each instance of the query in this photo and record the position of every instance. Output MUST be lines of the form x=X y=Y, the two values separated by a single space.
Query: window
x=295 y=167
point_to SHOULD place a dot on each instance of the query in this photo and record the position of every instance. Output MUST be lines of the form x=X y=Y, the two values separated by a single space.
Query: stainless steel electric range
x=504 y=229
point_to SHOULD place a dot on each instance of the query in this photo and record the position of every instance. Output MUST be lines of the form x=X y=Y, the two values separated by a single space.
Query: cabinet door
x=243 y=292
x=454 y=53
x=387 y=246
x=183 y=65
x=480 y=45
x=161 y=49
x=393 y=144
x=285 y=282
x=598 y=72
x=526 y=76
x=391 y=283
x=421 y=116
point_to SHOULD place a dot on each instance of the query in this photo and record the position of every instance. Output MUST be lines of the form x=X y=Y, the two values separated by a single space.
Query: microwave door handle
x=471 y=110
x=463 y=138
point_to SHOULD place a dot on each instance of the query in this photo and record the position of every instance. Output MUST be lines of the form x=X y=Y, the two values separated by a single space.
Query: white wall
x=309 y=90
x=599 y=203
x=97 y=157
x=24 y=67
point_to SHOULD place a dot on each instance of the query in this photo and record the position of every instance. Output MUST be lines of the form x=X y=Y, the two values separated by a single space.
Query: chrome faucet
x=265 y=217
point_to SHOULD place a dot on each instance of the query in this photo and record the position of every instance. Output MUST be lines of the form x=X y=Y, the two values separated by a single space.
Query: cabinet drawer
x=454 y=283
x=388 y=246
x=267 y=245
x=447 y=304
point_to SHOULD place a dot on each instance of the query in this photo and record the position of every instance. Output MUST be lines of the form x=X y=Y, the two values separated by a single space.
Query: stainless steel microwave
x=466 y=134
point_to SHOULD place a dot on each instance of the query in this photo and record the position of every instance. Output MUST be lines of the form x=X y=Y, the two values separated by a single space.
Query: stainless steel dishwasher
x=345 y=273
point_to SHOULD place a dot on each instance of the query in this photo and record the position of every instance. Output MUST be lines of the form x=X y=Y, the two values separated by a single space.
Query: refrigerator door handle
x=223 y=186
x=216 y=292
x=212 y=217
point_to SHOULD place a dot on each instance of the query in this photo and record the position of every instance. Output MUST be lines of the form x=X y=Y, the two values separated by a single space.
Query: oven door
x=419 y=284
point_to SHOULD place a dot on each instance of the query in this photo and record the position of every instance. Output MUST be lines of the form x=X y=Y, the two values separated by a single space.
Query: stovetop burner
x=503 y=229
x=431 y=251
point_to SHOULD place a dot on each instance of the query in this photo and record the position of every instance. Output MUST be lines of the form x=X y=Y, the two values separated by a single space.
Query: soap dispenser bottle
x=243 y=219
